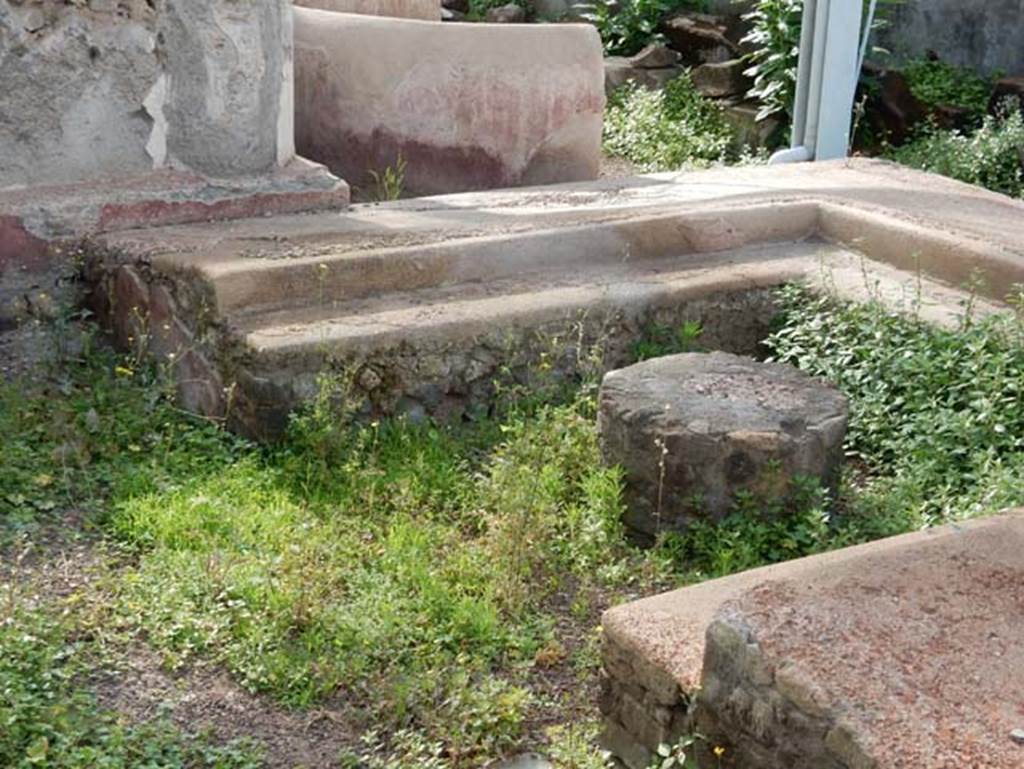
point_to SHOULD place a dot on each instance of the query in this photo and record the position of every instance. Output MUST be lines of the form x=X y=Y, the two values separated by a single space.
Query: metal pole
x=830 y=48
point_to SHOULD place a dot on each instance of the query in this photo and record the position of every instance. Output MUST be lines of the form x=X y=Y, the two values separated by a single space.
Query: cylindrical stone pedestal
x=693 y=430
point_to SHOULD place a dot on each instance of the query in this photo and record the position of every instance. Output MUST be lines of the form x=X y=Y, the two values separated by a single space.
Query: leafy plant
x=938 y=84
x=774 y=36
x=990 y=157
x=389 y=183
x=678 y=755
x=626 y=27
x=667 y=129
x=51 y=720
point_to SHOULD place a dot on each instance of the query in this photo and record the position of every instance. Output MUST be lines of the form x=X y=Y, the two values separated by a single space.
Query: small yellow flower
x=719 y=751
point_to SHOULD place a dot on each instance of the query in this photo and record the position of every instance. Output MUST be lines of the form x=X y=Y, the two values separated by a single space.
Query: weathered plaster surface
x=101 y=90
x=466 y=106
x=74 y=81
x=983 y=34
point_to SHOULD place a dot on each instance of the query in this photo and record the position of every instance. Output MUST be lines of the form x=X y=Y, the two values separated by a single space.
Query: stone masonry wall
x=172 y=318
x=764 y=717
x=642 y=706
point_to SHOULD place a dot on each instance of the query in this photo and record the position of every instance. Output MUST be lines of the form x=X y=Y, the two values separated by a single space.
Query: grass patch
x=50 y=719
x=437 y=578
x=400 y=565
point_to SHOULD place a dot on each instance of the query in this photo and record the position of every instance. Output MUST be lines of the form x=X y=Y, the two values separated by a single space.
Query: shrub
x=626 y=27
x=938 y=83
x=990 y=157
x=665 y=130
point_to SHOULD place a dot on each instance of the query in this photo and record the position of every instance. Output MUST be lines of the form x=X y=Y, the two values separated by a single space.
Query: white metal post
x=830 y=44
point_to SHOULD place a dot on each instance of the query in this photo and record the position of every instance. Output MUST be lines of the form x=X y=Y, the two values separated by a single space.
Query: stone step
x=466 y=309
x=425 y=303
x=258 y=278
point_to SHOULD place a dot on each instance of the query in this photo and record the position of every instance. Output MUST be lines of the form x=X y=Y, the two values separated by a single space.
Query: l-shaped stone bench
x=907 y=653
x=424 y=303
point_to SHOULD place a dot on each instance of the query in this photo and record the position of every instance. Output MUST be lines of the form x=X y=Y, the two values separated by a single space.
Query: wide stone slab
x=906 y=652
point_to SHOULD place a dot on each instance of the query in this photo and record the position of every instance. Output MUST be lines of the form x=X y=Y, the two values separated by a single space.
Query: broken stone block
x=893 y=109
x=618 y=71
x=552 y=10
x=899 y=653
x=906 y=657
x=655 y=56
x=506 y=14
x=692 y=431
x=748 y=131
x=701 y=38
x=1005 y=89
x=716 y=81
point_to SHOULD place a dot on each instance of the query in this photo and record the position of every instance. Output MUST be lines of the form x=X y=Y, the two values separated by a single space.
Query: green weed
x=51 y=720
x=991 y=156
x=667 y=129
x=390 y=183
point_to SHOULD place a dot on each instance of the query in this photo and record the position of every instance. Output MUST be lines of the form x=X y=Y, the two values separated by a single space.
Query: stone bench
x=693 y=431
x=907 y=652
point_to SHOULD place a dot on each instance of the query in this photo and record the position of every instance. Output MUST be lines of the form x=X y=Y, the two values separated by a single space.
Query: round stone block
x=692 y=431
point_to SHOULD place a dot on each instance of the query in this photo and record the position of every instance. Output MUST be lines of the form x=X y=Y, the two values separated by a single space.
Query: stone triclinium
x=693 y=431
x=426 y=303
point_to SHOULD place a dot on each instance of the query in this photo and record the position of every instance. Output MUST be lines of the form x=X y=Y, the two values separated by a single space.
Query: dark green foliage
x=940 y=84
x=626 y=27
x=775 y=38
